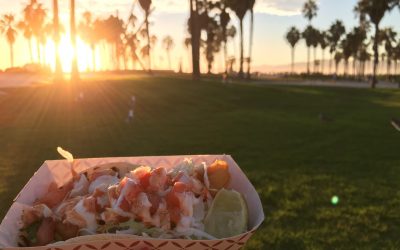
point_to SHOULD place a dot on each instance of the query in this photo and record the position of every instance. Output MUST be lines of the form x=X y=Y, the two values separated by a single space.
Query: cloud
x=279 y=7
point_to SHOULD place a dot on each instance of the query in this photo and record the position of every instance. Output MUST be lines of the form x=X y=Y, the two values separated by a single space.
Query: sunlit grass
x=296 y=161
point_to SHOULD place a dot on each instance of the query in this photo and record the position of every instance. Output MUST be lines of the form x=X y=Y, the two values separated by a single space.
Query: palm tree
x=153 y=43
x=293 y=36
x=74 y=67
x=168 y=44
x=308 y=35
x=389 y=38
x=195 y=32
x=310 y=9
x=7 y=27
x=37 y=16
x=396 y=56
x=240 y=8
x=323 y=42
x=338 y=57
x=250 y=6
x=224 y=21
x=88 y=33
x=347 y=48
x=335 y=33
x=376 y=10
x=27 y=31
x=146 y=4
x=56 y=37
x=315 y=42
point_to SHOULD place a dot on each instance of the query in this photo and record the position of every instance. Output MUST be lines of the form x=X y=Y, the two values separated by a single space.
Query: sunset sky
x=273 y=18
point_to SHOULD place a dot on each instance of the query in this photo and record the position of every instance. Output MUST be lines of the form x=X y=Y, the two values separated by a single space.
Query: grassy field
x=296 y=161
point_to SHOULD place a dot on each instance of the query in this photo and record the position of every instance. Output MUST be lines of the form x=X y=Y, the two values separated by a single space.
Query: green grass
x=296 y=162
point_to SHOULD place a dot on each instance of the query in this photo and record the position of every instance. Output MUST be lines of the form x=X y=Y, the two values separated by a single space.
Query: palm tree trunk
x=250 y=43
x=148 y=38
x=226 y=56
x=388 y=67
x=195 y=37
x=56 y=24
x=330 y=63
x=354 y=68
x=169 y=59
x=376 y=57
x=293 y=60
x=322 y=61
x=74 y=67
x=93 y=48
x=11 y=54
x=38 y=51
x=241 y=50
x=315 y=60
x=30 y=49
x=308 y=60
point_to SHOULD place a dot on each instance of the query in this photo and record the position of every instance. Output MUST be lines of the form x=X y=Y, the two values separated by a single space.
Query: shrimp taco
x=126 y=201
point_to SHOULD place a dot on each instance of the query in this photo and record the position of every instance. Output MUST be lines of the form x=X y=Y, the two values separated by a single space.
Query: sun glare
x=84 y=54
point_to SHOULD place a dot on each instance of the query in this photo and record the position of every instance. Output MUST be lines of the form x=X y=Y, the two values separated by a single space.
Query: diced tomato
x=133 y=190
x=124 y=205
x=173 y=203
x=46 y=232
x=155 y=202
x=122 y=184
x=55 y=195
x=143 y=175
x=158 y=179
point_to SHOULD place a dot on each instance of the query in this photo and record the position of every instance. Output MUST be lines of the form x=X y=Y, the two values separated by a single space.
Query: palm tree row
x=218 y=31
x=130 y=40
x=354 y=44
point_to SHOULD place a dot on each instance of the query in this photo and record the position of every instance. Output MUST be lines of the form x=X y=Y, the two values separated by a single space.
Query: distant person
x=131 y=112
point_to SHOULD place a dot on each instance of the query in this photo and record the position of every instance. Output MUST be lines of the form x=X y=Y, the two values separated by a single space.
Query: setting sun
x=66 y=51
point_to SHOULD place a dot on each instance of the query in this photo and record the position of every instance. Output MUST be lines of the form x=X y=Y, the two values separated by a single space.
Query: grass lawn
x=296 y=161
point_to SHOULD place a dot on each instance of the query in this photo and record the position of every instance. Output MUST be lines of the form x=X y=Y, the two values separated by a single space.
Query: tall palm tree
x=308 y=35
x=224 y=22
x=323 y=42
x=376 y=10
x=347 y=48
x=146 y=4
x=250 y=6
x=338 y=57
x=195 y=32
x=310 y=9
x=27 y=31
x=293 y=36
x=153 y=43
x=74 y=66
x=389 y=38
x=168 y=44
x=335 y=33
x=7 y=28
x=56 y=37
x=240 y=8
x=314 y=43
x=37 y=22
x=396 y=57
x=88 y=33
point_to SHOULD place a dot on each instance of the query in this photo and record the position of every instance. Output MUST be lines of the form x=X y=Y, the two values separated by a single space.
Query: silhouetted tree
x=168 y=44
x=74 y=66
x=323 y=42
x=250 y=6
x=88 y=34
x=335 y=33
x=8 y=29
x=293 y=36
x=56 y=37
x=146 y=4
x=310 y=9
x=240 y=7
x=375 y=10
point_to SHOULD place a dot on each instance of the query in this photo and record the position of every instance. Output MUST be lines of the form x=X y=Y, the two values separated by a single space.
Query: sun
x=84 y=54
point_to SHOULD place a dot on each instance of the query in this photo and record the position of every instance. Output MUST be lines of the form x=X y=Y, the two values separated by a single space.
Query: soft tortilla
x=96 y=237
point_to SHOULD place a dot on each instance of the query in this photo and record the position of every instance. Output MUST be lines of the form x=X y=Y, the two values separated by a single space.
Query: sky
x=272 y=20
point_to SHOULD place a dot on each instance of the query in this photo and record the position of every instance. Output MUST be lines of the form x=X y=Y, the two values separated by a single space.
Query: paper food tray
x=59 y=171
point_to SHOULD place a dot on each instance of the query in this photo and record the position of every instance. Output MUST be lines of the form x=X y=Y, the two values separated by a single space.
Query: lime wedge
x=227 y=216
